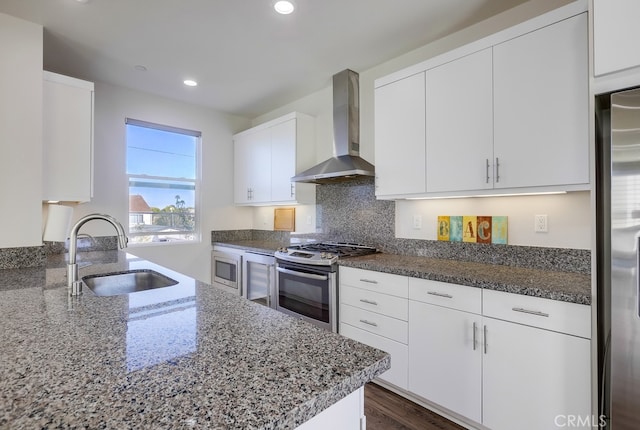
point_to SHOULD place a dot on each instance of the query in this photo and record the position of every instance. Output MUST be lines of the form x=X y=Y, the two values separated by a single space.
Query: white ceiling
x=247 y=59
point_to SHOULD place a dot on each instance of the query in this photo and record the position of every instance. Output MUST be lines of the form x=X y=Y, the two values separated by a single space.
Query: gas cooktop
x=322 y=253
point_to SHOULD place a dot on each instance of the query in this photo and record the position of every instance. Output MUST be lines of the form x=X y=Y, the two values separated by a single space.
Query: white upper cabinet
x=400 y=137
x=268 y=155
x=541 y=107
x=615 y=35
x=67 y=138
x=460 y=124
x=252 y=163
x=508 y=113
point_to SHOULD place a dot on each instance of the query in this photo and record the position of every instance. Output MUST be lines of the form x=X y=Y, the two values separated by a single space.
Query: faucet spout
x=75 y=286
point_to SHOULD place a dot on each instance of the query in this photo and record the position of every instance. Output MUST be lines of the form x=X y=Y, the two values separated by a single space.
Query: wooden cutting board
x=284 y=219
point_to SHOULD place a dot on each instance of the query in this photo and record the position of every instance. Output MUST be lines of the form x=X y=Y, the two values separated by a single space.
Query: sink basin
x=131 y=281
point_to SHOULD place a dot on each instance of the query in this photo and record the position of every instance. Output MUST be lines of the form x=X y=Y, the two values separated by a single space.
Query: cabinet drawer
x=463 y=298
x=386 y=283
x=388 y=327
x=398 y=373
x=564 y=317
x=392 y=306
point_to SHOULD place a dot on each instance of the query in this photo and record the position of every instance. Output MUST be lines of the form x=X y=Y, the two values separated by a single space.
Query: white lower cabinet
x=445 y=361
x=533 y=378
x=497 y=360
x=374 y=310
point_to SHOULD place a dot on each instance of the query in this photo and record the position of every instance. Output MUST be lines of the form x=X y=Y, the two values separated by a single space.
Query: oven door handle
x=303 y=275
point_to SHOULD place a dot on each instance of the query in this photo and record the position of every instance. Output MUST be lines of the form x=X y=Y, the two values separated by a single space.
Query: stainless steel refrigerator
x=618 y=256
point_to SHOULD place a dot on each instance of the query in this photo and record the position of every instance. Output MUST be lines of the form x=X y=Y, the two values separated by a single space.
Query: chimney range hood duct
x=347 y=163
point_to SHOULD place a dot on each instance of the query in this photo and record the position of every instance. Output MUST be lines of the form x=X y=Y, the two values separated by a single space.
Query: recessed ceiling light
x=284 y=7
x=82 y=1
x=140 y=68
x=190 y=82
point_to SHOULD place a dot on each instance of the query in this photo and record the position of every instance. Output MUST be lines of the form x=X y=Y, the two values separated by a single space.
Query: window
x=163 y=177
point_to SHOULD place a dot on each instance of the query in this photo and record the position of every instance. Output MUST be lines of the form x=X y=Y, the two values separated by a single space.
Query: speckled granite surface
x=564 y=286
x=259 y=246
x=187 y=356
x=14 y=258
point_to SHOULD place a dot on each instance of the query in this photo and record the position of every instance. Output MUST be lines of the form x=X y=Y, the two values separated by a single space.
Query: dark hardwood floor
x=386 y=410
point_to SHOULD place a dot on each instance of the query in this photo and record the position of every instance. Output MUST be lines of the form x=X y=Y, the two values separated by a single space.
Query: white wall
x=20 y=133
x=566 y=215
x=569 y=215
x=114 y=104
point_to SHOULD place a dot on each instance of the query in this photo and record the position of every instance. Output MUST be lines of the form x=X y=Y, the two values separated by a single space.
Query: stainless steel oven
x=226 y=271
x=308 y=292
x=307 y=278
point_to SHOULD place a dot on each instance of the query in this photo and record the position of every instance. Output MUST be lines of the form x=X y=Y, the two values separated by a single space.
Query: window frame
x=197 y=183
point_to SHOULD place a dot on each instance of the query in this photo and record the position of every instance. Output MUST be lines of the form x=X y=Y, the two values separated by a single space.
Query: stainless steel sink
x=131 y=281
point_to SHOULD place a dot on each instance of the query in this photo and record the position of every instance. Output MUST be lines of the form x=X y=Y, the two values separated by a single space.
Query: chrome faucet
x=74 y=285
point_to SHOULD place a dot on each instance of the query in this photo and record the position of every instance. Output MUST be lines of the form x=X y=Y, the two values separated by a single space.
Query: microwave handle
x=302 y=274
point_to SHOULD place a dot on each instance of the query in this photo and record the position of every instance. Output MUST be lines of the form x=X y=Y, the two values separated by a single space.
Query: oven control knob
x=328 y=255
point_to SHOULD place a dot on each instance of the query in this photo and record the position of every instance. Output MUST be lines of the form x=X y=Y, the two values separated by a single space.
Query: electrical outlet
x=540 y=224
x=417 y=222
x=309 y=219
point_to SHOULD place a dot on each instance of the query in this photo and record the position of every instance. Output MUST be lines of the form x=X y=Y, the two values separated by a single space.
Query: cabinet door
x=252 y=167
x=241 y=168
x=541 y=107
x=283 y=161
x=460 y=124
x=260 y=166
x=445 y=364
x=400 y=137
x=615 y=35
x=533 y=378
x=67 y=141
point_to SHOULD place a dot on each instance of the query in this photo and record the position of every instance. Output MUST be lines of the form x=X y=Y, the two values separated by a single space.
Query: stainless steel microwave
x=226 y=271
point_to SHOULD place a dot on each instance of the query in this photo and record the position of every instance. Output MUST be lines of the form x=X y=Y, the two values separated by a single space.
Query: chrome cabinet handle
x=475 y=327
x=530 y=312
x=484 y=338
x=370 y=302
x=369 y=323
x=293 y=190
x=487 y=160
x=368 y=281
x=497 y=169
x=302 y=274
x=435 y=293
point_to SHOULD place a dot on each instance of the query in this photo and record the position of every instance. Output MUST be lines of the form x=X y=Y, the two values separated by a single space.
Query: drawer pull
x=368 y=281
x=530 y=312
x=369 y=323
x=435 y=293
x=369 y=302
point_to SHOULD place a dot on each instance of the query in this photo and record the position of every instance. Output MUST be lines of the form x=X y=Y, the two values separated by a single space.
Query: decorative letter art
x=473 y=229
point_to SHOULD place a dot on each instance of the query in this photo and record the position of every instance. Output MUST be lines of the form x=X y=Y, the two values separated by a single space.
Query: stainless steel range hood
x=347 y=163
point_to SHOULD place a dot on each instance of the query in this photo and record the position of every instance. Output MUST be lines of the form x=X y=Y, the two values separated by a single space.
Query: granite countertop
x=563 y=286
x=186 y=356
x=259 y=246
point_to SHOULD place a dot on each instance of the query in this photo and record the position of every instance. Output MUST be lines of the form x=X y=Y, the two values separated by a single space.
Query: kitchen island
x=185 y=356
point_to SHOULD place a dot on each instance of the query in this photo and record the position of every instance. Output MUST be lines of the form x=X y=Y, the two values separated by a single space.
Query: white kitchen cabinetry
x=615 y=35
x=268 y=155
x=400 y=137
x=460 y=124
x=374 y=310
x=533 y=354
x=252 y=167
x=67 y=138
x=503 y=360
x=508 y=113
x=445 y=358
x=541 y=107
